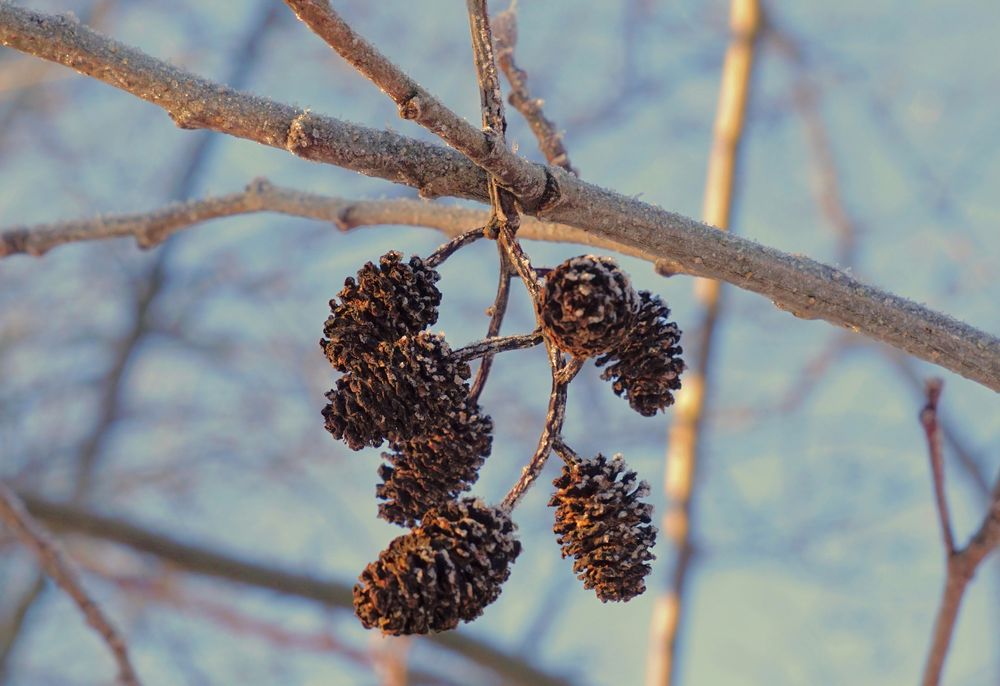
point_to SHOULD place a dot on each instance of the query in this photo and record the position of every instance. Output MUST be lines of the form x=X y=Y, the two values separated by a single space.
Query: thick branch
x=60 y=569
x=205 y=561
x=800 y=285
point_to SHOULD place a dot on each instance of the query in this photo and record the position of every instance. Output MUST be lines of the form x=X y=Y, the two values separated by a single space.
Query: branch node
x=552 y=196
x=298 y=138
x=412 y=108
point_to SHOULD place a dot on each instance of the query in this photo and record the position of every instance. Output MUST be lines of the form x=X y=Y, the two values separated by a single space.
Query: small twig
x=678 y=244
x=961 y=563
x=448 y=249
x=928 y=419
x=497 y=311
x=549 y=139
x=552 y=429
x=417 y=104
x=562 y=373
x=498 y=344
x=61 y=569
x=521 y=263
x=962 y=566
x=150 y=229
x=563 y=450
x=505 y=217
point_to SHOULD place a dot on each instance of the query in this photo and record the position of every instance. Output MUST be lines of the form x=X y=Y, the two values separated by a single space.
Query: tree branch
x=549 y=139
x=61 y=569
x=799 y=285
x=207 y=562
x=961 y=566
x=686 y=431
x=486 y=149
x=932 y=430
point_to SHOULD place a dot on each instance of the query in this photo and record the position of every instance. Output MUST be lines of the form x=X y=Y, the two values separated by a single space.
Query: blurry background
x=180 y=389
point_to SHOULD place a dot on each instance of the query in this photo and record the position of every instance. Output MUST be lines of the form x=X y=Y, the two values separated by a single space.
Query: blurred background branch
x=686 y=436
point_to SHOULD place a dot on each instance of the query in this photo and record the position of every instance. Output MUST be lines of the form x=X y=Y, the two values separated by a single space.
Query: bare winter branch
x=549 y=139
x=208 y=562
x=929 y=420
x=961 y=564
x=799 y=285
x=60 y=569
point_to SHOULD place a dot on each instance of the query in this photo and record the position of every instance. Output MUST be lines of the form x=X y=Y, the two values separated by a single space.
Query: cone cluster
x=602 y=523
x=445 y=571
x=404 y=385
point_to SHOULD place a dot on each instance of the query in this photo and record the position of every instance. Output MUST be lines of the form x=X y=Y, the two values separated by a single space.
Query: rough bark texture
x=802 y=286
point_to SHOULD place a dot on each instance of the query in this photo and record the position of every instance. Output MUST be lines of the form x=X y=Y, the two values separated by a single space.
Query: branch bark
x=207 y=562
x=799 y=285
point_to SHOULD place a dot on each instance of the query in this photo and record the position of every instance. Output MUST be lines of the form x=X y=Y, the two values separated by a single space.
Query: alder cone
x=647 y=367
x=588 y=305
x=445 y=571
x=387 y=301
x=398 y=392
x=430 y=470
x=602 y=523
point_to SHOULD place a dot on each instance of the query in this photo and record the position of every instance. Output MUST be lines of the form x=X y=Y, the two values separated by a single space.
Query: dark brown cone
x=388 y=301
x=588 y=305
x=603 y=525
x=432 y=469
x=445 y=571
x=398 y=392
x=647 y=368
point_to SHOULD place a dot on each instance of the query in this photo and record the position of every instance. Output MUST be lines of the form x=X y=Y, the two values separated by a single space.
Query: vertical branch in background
x=686 y=431
x=58 y=566
x=502 y=202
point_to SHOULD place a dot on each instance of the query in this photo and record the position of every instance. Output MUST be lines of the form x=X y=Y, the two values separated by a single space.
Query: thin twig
x=961 y=567
x=210 y=562
x=957 y=444
x=799 y=285
x=498 y=344
x=928 y=419
x=685 y=436
x=564 y=451
x=448 y=249
x=550 y=431
x=562 y=374
x=152 y=228
x=60 y=568
x=416 y=103
x=549 y=139
x=496 y=311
